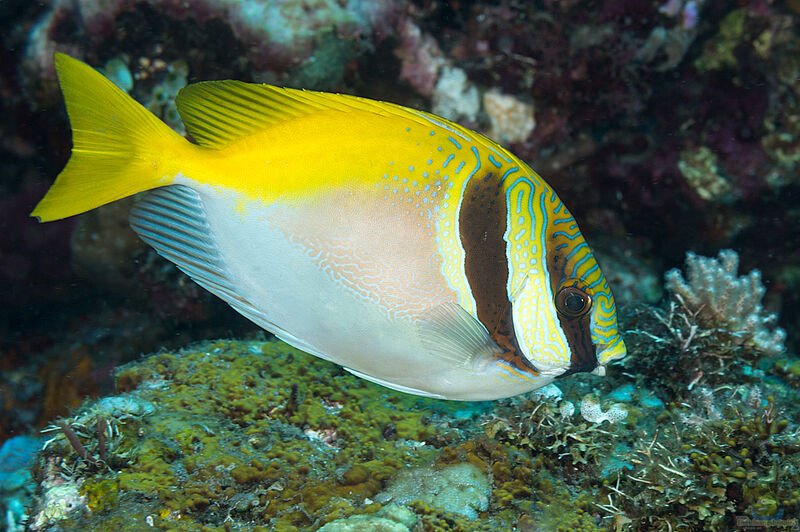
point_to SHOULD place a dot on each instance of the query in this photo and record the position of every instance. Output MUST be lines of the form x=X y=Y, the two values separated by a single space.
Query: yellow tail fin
x=117 y=145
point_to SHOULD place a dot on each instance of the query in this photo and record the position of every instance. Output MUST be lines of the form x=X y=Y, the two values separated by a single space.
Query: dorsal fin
x=216 y=113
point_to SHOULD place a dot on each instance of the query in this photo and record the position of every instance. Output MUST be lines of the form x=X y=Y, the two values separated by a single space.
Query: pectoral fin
x=451 y=333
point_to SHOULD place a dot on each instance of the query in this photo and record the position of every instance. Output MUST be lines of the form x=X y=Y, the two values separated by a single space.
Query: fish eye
x=573 y=302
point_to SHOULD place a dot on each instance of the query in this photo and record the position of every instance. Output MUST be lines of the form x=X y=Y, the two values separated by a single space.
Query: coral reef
x=715 y=297
x=713 y=331
x=275 y=35
x=253 y=423
x=390 y=518
x=257 y=434
x=421 y=58
x=512 y=120
x=454 y=97
x=16 y=483
x=459 y=488
x=699 y=168
x=664 y=126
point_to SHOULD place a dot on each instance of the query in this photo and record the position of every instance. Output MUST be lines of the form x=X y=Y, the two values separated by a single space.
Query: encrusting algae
x=256 y=435
x=248 y=432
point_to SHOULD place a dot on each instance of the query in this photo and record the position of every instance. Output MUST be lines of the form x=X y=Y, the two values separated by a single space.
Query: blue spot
x=425 y=174
x=433 y=132
x=439 y=148
x=410 y=168
x=408 y=129
x=430 y=161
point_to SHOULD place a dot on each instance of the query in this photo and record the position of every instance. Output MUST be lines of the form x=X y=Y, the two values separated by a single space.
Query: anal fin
x=173 y=220
x=393 y=386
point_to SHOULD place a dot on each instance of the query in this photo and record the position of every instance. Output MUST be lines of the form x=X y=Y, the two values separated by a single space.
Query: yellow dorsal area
x=260 y=141
x=275 y=143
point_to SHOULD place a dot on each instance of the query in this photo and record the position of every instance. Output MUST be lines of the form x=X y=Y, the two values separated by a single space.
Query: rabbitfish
x=414 y=252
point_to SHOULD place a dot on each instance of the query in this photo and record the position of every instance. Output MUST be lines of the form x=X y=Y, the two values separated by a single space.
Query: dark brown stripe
x=583 y=353
x=482 y=224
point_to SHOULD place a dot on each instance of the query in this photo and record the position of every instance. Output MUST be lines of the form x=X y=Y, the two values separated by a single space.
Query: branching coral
x=717 y=298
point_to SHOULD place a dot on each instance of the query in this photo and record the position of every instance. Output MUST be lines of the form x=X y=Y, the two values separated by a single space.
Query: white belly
x=271 y=277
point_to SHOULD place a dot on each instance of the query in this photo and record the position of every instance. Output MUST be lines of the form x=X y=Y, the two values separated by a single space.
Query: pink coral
x=421 y=57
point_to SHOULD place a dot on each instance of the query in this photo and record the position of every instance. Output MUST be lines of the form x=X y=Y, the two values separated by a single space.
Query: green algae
x=720 y=51
x=254 y=435
x=255 y=431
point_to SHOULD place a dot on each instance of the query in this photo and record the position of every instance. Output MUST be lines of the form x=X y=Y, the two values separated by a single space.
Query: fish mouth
x=597 y=366
x=605 y=354
x=582 y=366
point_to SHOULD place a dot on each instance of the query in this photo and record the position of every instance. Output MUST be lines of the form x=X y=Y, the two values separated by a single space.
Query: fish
x=413 y=252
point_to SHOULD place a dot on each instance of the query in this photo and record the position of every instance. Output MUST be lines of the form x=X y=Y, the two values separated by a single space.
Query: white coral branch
x=719 y=298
